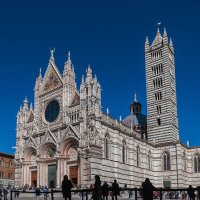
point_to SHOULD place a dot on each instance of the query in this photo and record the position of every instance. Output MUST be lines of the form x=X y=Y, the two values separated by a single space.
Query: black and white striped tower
x=162 y=120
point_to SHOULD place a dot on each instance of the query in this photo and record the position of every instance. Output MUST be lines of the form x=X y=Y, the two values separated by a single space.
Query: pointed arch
x=196 y=161
x=107 y=146
x=124 y=151
x=138 y=156
x=69 y=146
x=149 y=160
x=48 y=150
x=30 y=154
x=166 y=161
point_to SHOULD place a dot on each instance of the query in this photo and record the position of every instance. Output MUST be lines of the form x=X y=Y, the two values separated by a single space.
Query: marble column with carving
x=58 y=173
x=38 y=174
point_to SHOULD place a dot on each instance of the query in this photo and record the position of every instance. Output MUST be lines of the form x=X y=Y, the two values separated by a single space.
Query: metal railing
x=137 y=192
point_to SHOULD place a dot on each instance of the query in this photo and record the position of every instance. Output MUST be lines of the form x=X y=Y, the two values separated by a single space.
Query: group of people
x=99 y=192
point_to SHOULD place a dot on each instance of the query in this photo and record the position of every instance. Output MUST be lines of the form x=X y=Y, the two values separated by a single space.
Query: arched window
x=197 y=163
x=138 y=156
x=149 y=160
x=106 y=146
x=10 y=163
x=166 y=161
x=184 y=162
x=2 y=162
x=10 y=175
x=124 y=152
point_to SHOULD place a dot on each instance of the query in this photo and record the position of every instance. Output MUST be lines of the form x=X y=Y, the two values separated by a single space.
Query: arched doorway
x=71 y=164
x=48 y=154
x=30 y=157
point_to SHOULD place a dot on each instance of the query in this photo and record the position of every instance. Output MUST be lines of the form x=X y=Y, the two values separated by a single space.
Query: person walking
x=66 y=187
x=148 y=189
x=37 y=193
x=97 y=194
x=105 y=187
x=115 y=190
x=191 y=193
x=45 y=192
x=5 y=193
x=0 y=194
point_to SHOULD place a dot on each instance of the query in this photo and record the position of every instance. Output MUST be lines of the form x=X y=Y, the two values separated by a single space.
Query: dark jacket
x=115 y=188
x=105 y=187
x=97 y=190
x=66 y=188
x=148 y=189
x=190 y=192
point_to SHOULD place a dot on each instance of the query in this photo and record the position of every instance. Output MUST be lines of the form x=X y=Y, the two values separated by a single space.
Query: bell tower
x=162 y=120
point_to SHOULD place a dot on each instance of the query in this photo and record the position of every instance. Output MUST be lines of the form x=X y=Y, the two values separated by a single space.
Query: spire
x=171 y=43
x=147 y=44
x=165 y=38
x=82 y=81
x=120 y=118
x=165 y=33
x=69 y=59
x=89 y=74
x=107 y=111
x=40 y=74
x=147 y=41
x=31 y=106
x=135 y=97
x=158 y=39
x=26 y=103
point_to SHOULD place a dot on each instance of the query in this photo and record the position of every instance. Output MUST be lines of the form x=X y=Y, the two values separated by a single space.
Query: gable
x=70 y=132
x=75 y=100
x=31 y=117
x=49 y=137
x=52 y=79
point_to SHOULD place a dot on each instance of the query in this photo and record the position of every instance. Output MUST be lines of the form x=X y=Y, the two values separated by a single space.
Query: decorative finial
x=82 y=81
x=120 y=118
x=188 y=143
x=158 y=24
x=40 y=75
x=107 y=111
x=69 y=59
x=26 y=100
x=52 y=51
x=135 y=97
x=31 y=106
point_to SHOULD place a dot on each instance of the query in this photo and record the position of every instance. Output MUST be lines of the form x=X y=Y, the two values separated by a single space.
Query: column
x=38 y=175
x=58 y=173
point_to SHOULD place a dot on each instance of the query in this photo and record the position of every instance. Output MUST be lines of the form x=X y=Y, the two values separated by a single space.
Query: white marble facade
x=66 y=132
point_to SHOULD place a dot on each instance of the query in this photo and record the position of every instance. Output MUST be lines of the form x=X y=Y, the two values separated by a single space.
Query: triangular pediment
x=52 y=79
x=49 y=137
x=75 y=100
x=69 y=132
x=31 y=142
x=158 y=40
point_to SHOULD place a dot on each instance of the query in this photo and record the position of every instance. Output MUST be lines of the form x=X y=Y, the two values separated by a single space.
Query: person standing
x=148 y=189
x=115 y=190
x=97 y=194
x=66 y=187
x=191 y=193
x=105 y=187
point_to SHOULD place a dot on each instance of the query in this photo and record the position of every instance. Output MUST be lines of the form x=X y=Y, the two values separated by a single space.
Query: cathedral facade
x=66 y=132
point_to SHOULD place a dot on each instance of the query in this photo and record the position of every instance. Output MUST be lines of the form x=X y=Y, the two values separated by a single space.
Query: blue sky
x=108 y=35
